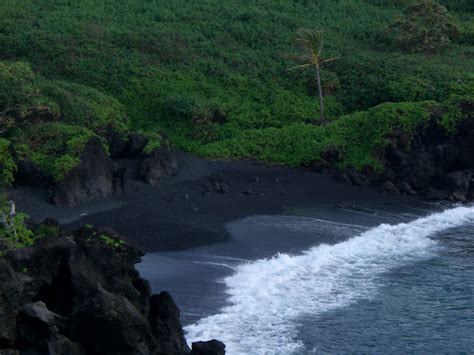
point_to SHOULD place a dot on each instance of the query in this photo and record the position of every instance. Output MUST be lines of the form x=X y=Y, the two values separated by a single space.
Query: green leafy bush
x=54 y=147
x=20 y=97
x=17 y=235
x=424 y=26
x=109 y=240
x=362 y=135
x=467 y=33
x=46 y=231
x=410 y=89
x=459 y=105
x=85 y=106
x=112 y=242
x=358 y=136
x=50 y=122
x=15 y=232
x=7 y=165
x=155 y=140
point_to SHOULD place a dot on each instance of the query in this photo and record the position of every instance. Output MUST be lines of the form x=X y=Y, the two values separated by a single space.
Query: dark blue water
x=406 y=287
x=424 y=307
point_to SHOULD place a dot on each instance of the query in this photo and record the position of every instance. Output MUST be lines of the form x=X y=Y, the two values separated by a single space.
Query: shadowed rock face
x=435 y=165
x=95 y=176
x=7 y=321
x=159 y=163
x=136 y=142
x=80 y=294
x=115 y=140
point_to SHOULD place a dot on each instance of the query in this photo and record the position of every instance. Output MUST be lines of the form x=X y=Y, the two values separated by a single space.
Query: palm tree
x=310 y=44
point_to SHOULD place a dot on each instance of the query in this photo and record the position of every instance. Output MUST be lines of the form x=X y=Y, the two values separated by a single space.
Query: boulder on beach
x=157 y=164
x=95 y=176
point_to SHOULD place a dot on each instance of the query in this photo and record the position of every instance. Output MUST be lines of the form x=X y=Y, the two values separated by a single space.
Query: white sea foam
x=267 y=296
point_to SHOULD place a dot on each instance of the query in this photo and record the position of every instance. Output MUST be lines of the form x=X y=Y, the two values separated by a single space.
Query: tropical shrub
x=20 y=97
x=85 y=106
x=166 y=65
x=7 y=165
x=54 y=147
x=15 y=232
x=424 y=26
x=359 y=136
x=410 y=89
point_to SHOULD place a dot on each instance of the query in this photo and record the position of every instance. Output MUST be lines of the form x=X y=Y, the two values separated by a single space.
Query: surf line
x=267 y=296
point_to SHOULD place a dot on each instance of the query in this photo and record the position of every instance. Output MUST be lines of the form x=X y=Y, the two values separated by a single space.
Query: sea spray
x=266 y=297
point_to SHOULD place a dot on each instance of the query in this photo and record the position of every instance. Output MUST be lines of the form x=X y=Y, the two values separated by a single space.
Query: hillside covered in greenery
x=213 y=75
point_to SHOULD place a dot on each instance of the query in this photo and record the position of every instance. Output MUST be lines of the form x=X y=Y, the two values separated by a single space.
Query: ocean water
x=375 y=279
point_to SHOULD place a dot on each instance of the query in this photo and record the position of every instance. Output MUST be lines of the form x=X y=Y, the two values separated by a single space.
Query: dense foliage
x=425 y=26
x=7 y=164
x=356 y=135
x=20 y=99
x=54 y=147
x=213 y=74
x=17 y=234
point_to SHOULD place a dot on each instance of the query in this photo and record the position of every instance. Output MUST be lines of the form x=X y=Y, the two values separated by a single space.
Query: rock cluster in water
x=80 y=293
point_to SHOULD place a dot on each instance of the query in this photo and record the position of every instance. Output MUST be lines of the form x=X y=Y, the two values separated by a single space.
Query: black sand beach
x=191 y=208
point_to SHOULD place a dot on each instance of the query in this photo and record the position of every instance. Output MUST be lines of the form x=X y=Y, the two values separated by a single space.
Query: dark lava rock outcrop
x=432 y=163
x=157 y=164
x=98 y=174
x=95 y=176
x=136 y=142
x=208 y=347
x=435 y=164
x=79 y=293
x=115 y=140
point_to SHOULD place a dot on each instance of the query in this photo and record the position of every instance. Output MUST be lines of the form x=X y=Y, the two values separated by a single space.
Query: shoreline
x=191 y=208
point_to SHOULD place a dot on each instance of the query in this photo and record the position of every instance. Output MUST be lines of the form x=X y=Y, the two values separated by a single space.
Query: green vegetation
x=50 y=121
x=155 y=140
x=357 y=136
x=15 y=233
x=47 y=231
x=213 y=76
x=107 y=239
x=20 y=99
x=311 y=45
x=111 y=241
x=7 y=165
x=425 y=26
x=52 y=146
x=85 y=106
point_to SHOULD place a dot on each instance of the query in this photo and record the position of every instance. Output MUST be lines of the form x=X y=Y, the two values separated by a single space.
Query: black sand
x=185 y=210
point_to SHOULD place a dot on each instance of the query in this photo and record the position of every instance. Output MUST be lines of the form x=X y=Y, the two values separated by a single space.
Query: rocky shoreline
x=79 y=293
x=432 y=164
x=98 y=174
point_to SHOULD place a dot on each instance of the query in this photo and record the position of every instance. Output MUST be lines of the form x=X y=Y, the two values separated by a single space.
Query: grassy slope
x=162 y=59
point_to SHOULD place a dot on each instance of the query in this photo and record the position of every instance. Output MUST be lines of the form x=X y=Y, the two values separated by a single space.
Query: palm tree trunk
x=320 y=92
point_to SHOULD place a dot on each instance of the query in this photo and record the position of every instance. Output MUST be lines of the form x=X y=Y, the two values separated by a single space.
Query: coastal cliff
x=79 y=293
